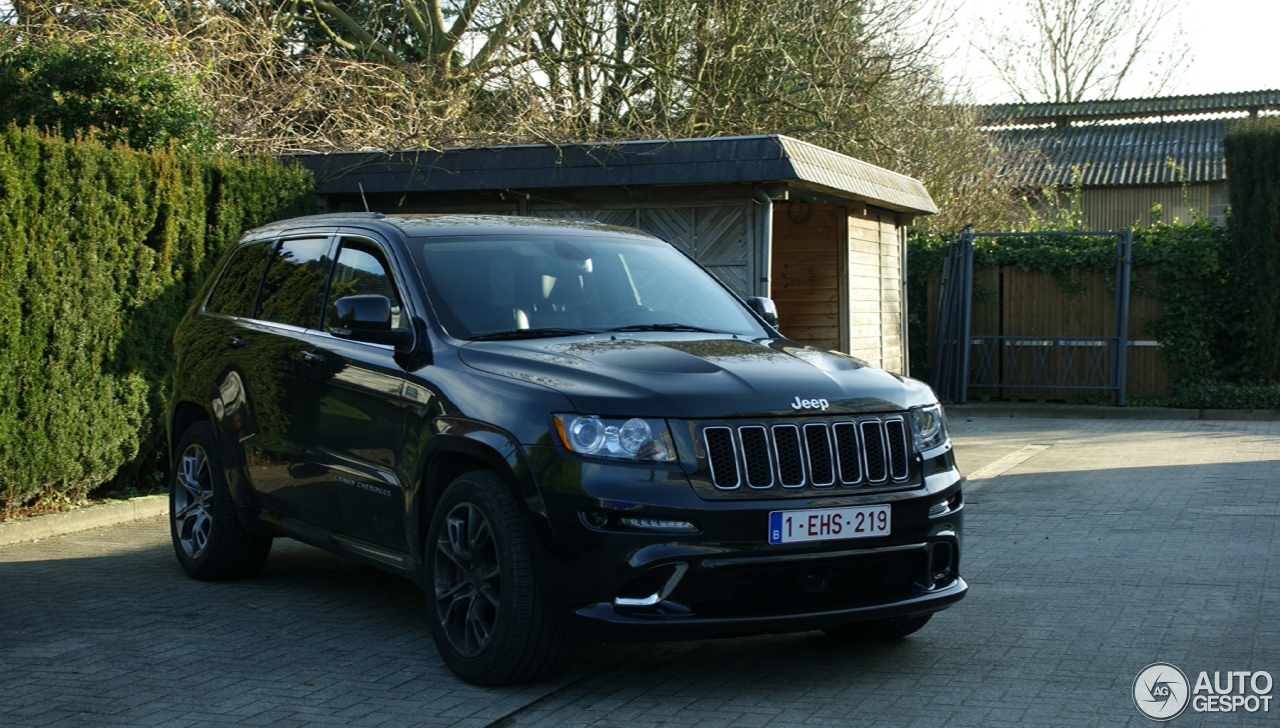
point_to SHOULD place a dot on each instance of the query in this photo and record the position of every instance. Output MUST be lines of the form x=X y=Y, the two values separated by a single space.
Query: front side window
x=294 y=284
x=237 y=289
x=491 y=287
x=362 y=270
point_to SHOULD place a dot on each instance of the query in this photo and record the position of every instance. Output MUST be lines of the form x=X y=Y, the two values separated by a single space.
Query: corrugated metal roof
x=1122 y=154
x=824 y=167
x=723 y=160
x=1044 y=113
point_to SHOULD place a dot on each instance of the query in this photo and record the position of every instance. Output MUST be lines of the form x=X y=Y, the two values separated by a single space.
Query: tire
x=878 y=630
x=207 y=536
x=488 y=613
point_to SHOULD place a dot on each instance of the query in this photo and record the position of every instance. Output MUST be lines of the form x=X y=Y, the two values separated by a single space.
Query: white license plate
x=828 y=524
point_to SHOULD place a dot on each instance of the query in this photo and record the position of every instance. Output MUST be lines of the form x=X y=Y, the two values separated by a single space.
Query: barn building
x=1130 y=155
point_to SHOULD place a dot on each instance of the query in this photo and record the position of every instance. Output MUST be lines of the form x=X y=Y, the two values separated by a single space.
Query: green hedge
x=1252 y=150
x=101 y=251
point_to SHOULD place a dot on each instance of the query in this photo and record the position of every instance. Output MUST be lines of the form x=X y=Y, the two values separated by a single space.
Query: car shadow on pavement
x=102 y=629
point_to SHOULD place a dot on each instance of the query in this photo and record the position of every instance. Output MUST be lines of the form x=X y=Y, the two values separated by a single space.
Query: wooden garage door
x=718 y=236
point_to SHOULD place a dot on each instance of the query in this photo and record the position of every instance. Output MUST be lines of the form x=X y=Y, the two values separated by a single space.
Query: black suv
x=560 y=429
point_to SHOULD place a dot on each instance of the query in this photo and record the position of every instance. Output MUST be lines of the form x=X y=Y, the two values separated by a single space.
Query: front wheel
x=207 y=536
x=878 y=630
x=488 y=613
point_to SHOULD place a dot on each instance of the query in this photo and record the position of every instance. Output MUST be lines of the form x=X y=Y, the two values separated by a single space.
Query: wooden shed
x=819 y=232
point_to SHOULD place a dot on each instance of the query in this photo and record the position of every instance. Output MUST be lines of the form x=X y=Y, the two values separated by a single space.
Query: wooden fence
x=1012 y=302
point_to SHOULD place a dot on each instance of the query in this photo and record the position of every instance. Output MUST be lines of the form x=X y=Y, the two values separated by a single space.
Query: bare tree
x=1073 y=50
x=856 y=76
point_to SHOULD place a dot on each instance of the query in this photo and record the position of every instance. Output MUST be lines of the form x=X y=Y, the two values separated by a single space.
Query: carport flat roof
x=721 y=160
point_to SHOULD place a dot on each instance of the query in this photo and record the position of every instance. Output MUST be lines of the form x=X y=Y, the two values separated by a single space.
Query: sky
x=1233 y=43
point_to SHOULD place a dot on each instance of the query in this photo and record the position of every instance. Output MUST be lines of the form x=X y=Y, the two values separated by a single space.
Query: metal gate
x=960 y=361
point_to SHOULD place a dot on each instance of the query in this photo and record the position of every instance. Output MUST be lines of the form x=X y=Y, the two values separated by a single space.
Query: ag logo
x=1160 y=691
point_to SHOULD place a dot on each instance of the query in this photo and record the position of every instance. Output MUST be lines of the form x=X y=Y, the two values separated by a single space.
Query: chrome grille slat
x=817 y=448
x=809 y=452
x=722 y=456
x=895 y=437
x=786 y=447
x=755 y=453
x=848 y=453
x=874 y=457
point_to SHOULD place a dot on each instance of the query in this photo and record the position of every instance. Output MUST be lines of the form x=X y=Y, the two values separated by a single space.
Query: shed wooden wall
x=837 y=279
x=805 y=275
x=875 y=274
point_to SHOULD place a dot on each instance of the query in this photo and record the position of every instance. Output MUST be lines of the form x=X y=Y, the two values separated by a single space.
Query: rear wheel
x=878 y=630
x=488 y=613
x=207 y=536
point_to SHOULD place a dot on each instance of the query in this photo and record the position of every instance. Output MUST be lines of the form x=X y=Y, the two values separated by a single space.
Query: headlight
x=633 y=439
x=929 y=426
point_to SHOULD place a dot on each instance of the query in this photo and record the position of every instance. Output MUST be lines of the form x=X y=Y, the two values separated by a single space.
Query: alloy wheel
x=193 y=501
x=467 y=579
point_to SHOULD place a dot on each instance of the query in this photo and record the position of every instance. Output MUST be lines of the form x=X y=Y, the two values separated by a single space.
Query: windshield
x=525 y=287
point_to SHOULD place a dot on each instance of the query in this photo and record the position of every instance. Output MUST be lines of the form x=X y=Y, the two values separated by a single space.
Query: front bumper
x=619 y=583
x=606 y=621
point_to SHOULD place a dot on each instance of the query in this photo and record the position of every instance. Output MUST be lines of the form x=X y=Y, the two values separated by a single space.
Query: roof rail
x=342 y=215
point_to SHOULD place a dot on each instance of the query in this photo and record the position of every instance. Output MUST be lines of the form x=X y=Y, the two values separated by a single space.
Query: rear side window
x=362 y=270
x=237 y=289
x=294 y=284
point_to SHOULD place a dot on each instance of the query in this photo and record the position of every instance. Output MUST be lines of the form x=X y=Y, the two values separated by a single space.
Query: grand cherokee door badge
x=363 y=486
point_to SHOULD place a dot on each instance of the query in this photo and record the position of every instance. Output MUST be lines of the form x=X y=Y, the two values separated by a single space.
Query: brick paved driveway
x=1093 y=549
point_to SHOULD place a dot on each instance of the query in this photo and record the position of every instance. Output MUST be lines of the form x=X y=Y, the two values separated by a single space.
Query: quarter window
x=237 y=289
x=294 y=284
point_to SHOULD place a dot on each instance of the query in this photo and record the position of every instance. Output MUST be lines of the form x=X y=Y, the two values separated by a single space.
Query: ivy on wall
x=1204 y=339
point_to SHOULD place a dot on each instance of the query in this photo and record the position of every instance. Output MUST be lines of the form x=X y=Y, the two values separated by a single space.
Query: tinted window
x=294 y=285
x=238 y=287
x=481 y=286
x=362 y=270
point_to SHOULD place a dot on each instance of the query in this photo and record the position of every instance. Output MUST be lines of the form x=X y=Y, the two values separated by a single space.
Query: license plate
x=828 y=524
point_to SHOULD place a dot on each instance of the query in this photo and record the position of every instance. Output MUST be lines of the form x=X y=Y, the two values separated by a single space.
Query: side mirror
x=367 y=319
x=765 y=308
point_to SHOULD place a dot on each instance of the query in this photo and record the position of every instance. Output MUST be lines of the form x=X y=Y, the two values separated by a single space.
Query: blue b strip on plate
x=775 y=527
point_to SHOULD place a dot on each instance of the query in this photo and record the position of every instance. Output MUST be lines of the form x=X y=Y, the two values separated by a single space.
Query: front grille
x=814 y=453
x=831 y=583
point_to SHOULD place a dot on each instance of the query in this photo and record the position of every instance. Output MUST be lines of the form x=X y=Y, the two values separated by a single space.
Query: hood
x=697 y=376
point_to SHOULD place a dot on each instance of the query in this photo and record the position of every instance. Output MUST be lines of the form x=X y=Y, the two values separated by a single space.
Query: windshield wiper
x=530 y=334
x=667 y=327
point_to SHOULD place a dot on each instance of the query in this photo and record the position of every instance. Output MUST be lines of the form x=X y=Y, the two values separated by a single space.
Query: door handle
x=237 y=342
x=312 y=358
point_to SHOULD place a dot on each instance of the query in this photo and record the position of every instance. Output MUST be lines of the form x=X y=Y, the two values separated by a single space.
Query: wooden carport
x=821 y=233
